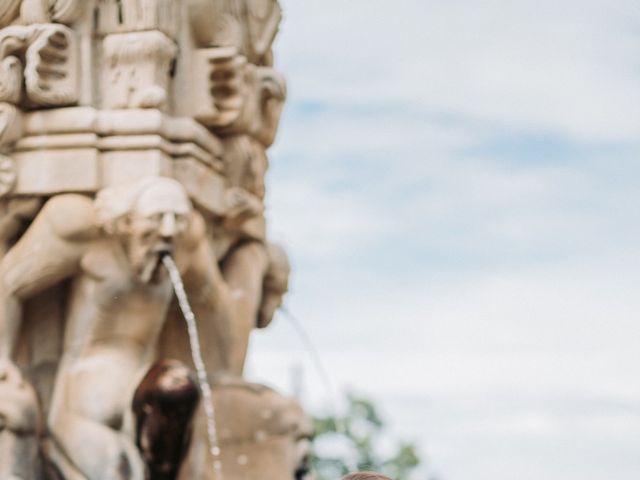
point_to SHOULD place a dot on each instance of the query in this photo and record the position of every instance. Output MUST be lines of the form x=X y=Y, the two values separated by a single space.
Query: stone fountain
x=133 y=138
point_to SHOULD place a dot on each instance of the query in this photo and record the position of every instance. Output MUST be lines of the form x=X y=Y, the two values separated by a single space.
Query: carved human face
x=276 y=286
x=158 y=220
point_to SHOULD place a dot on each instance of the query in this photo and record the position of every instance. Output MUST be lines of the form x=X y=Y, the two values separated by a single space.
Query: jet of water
x=196 y=355
x=341 y=427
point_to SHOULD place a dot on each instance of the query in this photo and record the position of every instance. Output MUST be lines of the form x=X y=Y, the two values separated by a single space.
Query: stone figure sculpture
x=19 y=426
x=130 y=130
x=117 y=304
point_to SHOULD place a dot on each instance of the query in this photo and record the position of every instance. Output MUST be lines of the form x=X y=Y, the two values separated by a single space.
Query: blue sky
x=457 y=184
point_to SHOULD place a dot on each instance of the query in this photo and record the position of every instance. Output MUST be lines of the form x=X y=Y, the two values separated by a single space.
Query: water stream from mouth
x=196 y=355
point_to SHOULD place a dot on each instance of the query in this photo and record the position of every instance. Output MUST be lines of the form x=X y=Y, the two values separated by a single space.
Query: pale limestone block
x=155 y=142
x=61 y=120
x=153 y=121
x=56 y=142
x=45 y=172
x=125 y=166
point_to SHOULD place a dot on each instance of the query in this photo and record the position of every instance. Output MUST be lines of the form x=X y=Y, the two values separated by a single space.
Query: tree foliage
x=354 y=442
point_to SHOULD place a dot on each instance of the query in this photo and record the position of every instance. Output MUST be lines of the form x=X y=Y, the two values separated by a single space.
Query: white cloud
x=567 y=67
x=456 y=182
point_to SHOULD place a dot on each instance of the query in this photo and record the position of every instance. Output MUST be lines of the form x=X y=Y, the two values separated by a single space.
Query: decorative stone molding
x=137 y=69
x=50 y=71
x=220 y=86
x=121 y=16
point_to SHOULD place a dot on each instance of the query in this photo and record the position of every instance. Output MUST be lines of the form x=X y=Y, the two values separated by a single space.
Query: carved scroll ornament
x=50 y=70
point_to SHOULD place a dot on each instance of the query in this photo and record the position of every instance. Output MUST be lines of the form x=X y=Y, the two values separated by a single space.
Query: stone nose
x=168 y=225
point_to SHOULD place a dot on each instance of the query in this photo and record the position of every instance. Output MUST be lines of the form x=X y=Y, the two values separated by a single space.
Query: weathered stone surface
x=129 y=130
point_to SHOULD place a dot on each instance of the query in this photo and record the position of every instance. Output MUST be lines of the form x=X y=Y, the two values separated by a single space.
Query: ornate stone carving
x=219 y=78
x=259 y=278
x=156 y=146
x=10 y=126
x=263 y=19
x=137 y=69
x=9 y=10
x=118 y=16
x=50 y=70
x=19 y=426
x=112 y=248
x=66 y=11
x=248 y=25
x=40 y=11
x=10 y=80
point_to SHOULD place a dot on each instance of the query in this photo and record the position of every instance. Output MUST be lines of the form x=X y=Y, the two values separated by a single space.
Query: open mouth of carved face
x=153 y=268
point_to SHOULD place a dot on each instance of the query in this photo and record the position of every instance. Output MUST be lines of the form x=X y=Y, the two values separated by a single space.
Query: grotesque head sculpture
x=276 y=284
x=148 y=218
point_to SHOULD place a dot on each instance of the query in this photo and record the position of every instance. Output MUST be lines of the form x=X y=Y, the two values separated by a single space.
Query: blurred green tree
x=353 y=442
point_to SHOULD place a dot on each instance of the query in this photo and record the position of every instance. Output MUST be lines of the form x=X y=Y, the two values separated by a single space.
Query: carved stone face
x=159 y=219
x=271 y=301
x=276 y=285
